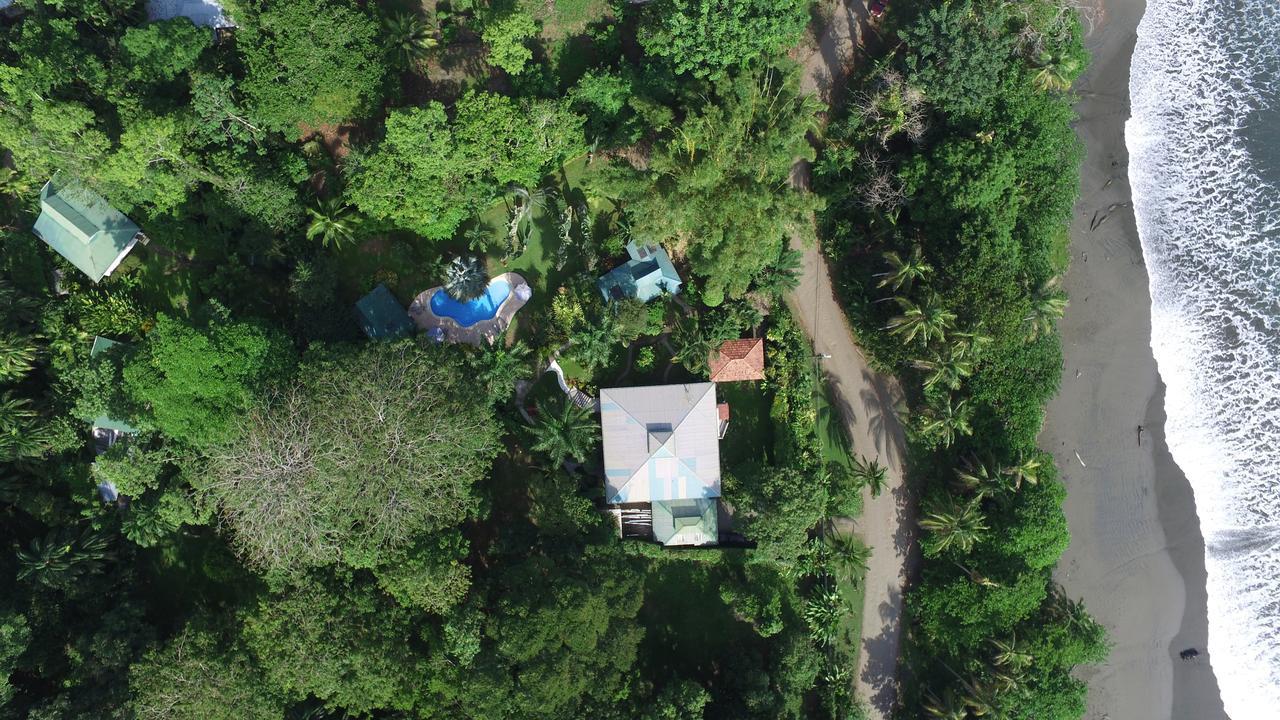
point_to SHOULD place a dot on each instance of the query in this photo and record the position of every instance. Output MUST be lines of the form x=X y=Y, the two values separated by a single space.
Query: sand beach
x=1137 y=555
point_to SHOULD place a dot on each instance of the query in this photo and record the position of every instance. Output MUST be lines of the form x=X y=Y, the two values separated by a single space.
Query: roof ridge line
x=674 y=426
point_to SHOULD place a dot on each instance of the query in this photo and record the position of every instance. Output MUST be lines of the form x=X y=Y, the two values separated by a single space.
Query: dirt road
x=866 y=399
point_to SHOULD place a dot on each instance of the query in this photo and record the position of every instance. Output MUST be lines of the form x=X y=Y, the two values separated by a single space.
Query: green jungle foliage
x=307 y=523
x=949 y=181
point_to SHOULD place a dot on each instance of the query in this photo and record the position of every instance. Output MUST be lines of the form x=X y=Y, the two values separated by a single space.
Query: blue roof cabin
x=382 y=316
x=648 y=274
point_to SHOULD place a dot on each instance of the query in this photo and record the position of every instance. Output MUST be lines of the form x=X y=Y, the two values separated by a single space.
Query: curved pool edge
x=484 y=331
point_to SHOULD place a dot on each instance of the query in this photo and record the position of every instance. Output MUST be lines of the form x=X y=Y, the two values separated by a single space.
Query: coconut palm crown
x=465 y=279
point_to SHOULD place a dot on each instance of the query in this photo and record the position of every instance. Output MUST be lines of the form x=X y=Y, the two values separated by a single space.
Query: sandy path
x=1136 y=555
x=866 y=399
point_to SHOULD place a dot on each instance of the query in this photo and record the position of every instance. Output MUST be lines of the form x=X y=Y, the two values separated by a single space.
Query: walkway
x=867 y=401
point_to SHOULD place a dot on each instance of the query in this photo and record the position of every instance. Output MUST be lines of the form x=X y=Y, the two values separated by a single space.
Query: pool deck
x=485 y=331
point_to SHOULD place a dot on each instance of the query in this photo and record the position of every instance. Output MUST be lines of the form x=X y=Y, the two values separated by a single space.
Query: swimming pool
x=471 y=312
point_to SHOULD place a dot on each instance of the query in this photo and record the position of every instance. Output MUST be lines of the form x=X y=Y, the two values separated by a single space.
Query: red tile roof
x=738 y=360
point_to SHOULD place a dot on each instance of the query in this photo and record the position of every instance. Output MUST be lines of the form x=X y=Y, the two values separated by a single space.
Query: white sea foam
x=1205 y=96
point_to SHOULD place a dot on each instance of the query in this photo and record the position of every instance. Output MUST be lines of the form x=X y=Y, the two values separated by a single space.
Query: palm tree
x=969 y=345
x=1048 y=303
x=870 y=474
x=1026 y=470
x=506 y=364
x=952 y=525
x=17 y=357
x=904 y=272
x=333 y=222
x=944 y=419
x=1012 y=655
x=60 y=558
x=782 y=276
x=465 y=279
x=567 y=431
x=979 y=479
x=410 y=37
x=693 y=346
x=520 y=221
x=1055 y=72
x=593 y=345
x=927 y=321
x=21 y=433
x=948 y=372
x=822 y=613
x=947 y=707
x=850 y=553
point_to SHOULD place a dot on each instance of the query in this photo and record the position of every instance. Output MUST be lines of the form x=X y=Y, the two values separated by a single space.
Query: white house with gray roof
x=662 y=448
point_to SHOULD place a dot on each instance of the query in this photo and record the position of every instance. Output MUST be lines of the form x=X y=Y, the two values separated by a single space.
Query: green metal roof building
x=686 y=522
x=382 y=316
x=648 y=274
x=81 y=227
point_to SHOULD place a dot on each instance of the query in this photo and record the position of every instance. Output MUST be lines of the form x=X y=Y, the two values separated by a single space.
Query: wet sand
x=1136 y=556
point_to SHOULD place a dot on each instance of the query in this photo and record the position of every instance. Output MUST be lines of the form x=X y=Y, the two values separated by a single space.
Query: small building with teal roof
x=80 y=226
x=648 y=274
x=382 y=317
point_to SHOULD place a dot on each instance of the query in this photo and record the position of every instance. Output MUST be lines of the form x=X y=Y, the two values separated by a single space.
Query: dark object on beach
x=1140 y=429
x=1189 y=654
x=878 y=7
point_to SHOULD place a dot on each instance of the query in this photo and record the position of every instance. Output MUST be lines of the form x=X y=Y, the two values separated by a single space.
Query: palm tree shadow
x=880 y=401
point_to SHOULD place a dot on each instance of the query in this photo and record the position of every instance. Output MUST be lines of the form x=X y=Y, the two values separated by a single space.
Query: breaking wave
x=1204 y=142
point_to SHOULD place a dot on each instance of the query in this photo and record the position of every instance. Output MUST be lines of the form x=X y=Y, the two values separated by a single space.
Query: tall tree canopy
x=717 y=188
x=429 y=173
x=362 y=453
x=195 y=383
x=314 y=62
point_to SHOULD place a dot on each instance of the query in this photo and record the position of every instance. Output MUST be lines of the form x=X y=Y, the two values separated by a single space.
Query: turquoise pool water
x=473 y=311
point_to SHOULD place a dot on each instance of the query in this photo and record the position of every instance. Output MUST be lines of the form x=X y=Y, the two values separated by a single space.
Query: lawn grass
x=832 y=436
x=750 y=434
x=852 y=590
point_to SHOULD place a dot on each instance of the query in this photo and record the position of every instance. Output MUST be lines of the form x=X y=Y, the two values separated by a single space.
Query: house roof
x=645 y=276
x=685 y=522
x=382 y=316
x=738 y=360
x=208 y=13
x=661 y=442
x=81 y=227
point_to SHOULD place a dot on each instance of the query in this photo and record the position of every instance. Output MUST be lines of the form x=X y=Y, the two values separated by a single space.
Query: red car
x=878 y=7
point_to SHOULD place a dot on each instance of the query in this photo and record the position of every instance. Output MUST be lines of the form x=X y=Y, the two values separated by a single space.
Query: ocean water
x=1204 y=142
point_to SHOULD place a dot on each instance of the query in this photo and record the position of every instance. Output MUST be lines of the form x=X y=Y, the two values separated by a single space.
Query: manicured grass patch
x=852 y=590
x=565 y=18
x=831 y=429
x=407 y=265
x=573 y=371
x=750 y=434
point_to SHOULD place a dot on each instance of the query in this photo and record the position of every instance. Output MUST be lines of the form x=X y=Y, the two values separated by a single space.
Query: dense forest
x=290 y=519
x=950 y=178
x=301 y=522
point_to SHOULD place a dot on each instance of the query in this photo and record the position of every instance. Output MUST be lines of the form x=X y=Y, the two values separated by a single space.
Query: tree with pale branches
x=360 y=456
